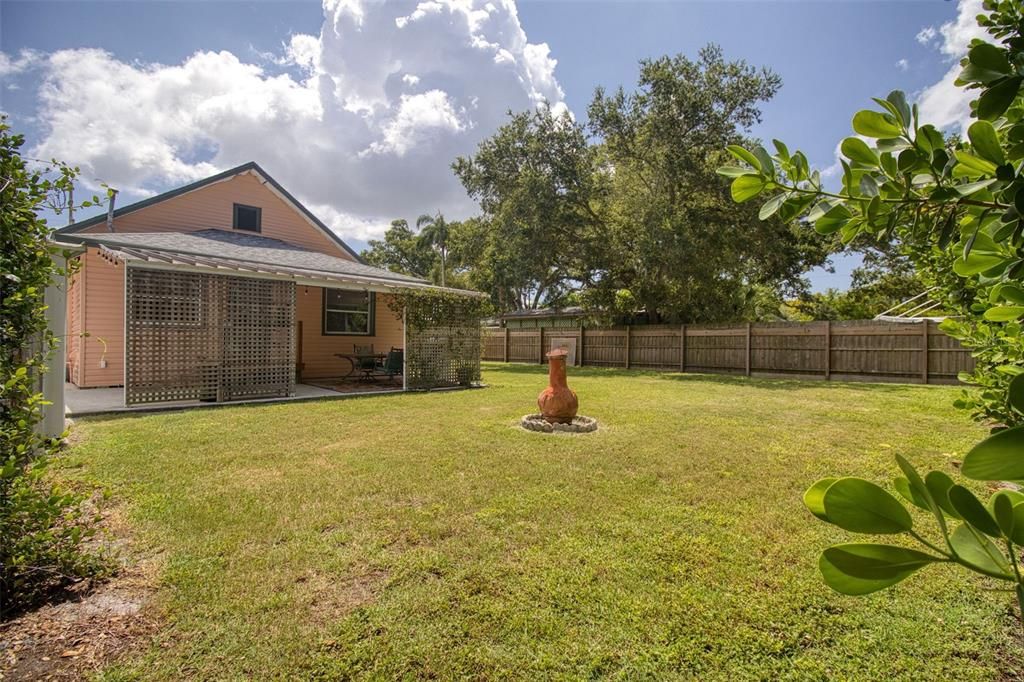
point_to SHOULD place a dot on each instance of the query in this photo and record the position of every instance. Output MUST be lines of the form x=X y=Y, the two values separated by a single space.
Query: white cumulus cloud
x=10 y=66
x=942 y=103
x=361 y=122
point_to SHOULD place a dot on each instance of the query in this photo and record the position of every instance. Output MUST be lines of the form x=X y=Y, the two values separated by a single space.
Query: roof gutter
x=72 y=248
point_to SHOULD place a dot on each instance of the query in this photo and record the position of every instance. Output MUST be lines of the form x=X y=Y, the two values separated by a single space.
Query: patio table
x=354 y=362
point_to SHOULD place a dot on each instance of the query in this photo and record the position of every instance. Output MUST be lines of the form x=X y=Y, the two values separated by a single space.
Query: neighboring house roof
x=570 y=311
x=220 y=250
x=913 y=309
x=250 y=167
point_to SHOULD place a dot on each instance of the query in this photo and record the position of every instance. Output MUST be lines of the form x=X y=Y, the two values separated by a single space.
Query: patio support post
x=405 y=350
x=53 y=379
x=504 y=350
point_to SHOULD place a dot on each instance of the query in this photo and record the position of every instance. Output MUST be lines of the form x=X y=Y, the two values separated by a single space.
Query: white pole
x=405 y=352
x=53 y=379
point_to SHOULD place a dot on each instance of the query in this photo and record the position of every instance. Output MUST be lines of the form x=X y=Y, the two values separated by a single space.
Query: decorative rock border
x=580 y=424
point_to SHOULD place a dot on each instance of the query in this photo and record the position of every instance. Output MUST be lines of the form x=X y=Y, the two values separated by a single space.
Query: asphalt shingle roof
x=240 y=246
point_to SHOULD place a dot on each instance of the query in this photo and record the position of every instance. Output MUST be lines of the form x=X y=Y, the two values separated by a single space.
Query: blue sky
x=151 y=113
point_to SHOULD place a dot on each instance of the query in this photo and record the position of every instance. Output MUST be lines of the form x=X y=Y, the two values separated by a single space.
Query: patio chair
x=366 y=361
x=393 y=363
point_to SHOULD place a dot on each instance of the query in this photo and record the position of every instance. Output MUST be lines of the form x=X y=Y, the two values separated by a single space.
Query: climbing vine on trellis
x=443 y=337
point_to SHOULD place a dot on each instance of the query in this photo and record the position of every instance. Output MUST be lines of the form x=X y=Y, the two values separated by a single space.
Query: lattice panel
x=194 y=336
x=258 y=357
x=446 y=352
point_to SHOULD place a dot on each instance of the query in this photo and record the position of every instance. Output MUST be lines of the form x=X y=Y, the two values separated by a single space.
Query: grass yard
x=426 y=535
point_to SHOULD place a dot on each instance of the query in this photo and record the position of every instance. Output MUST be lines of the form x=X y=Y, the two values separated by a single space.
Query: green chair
x=393 y=362
x=366 y=361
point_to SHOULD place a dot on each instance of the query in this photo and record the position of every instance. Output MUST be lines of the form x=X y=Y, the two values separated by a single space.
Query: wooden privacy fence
x=865 y=350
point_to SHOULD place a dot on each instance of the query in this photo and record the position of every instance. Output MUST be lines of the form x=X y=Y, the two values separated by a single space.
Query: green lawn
x=425 y=535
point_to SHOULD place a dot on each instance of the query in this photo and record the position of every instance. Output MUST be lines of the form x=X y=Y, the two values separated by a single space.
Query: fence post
x=504 y=351
x=628 y=334
x=924 y=350
x=748 y=350
x=682 y=348
x=828 y=350
x=540 y=331
x=580 y=350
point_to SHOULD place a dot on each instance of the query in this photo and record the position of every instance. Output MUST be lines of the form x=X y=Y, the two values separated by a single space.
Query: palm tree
x=434 y=231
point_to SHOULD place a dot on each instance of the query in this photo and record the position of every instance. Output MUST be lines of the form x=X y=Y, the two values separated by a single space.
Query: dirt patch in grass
x=66 y=641
x=88 y=626
x=330 y=598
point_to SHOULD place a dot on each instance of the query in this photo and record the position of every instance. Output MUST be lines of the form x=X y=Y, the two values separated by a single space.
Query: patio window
x=247 y=218
x=348 y=312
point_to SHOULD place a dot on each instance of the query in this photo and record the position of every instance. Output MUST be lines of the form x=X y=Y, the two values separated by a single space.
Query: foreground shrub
x=43 y=529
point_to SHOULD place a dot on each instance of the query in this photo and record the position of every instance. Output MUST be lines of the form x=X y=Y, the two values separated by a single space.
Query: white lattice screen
x=193 y=336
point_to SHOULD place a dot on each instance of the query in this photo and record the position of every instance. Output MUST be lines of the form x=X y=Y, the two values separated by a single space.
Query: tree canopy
x=540 y=190
x=401 y=250
x=673 y=241
x=627 y=214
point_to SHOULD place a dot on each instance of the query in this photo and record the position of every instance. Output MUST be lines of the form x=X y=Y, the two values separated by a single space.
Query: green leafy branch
x=984 y=538
x=912 y=179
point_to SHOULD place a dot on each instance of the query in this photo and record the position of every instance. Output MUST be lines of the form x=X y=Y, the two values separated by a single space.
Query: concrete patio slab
x=80 y=402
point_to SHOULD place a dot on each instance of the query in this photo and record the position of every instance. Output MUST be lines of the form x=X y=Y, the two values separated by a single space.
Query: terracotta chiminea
x=558 y=403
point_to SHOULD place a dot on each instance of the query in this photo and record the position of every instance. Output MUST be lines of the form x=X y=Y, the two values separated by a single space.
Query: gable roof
x=253 y=255
x=251 y=166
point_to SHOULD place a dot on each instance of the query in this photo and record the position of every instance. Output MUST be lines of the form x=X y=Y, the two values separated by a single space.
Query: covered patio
x=258 y=322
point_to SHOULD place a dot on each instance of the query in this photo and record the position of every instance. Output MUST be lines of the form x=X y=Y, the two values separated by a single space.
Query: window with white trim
x=348 y=312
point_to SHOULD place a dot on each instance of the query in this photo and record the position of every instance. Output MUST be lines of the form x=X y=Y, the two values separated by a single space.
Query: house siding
x=315 y=351
x=96 y=308
x=212 y=207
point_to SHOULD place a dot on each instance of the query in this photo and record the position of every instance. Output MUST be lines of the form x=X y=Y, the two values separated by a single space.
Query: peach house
x=228 y=289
